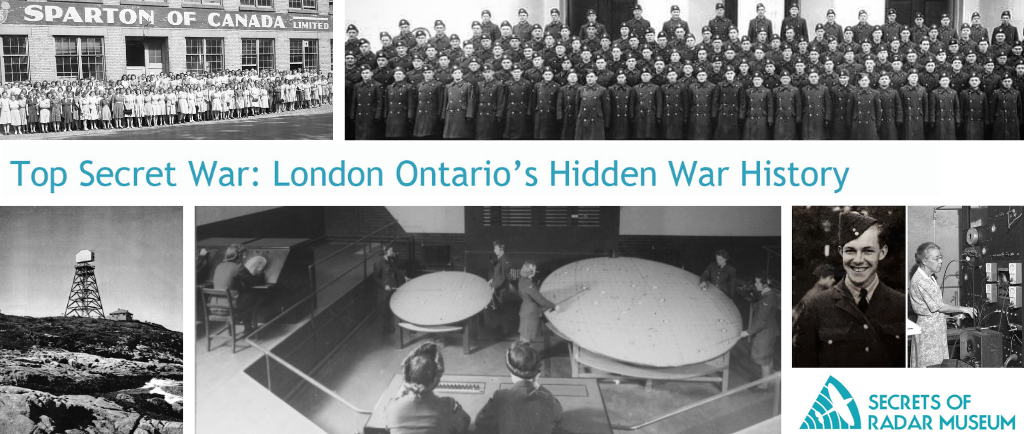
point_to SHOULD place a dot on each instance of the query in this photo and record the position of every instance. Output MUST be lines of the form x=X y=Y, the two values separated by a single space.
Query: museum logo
x=834 y=408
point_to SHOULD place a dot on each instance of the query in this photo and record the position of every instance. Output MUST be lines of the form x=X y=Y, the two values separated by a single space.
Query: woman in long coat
x=545 y=104
x=974 y=110
x=367 y=106
x=672 y=111
x=758 y=107
x=595 y=110
x=914 y=99
x=518 y=111
x=458 y=106
x=842 y=104
x=622 y=100
x=702 y=103
x=787 y=109
x=399 y=106
x=945 y=111
x=892 y=109
x=428 y=106
x=646 y=100
x=1007 y=111
x=816 y=105
x=865 y=111
x=566 y=109
x=727 y=111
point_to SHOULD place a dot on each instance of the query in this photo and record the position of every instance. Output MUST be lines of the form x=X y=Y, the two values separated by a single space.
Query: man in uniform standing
x=891 y=29
x=832 y=28
x=759 y=24
x=523 y=29
x=599 y=28
x=978 y=32
x=720 y=25
x=1012 y=36
x=638 y=25
x=796 y=22
x=674 y=23
x=859 y=322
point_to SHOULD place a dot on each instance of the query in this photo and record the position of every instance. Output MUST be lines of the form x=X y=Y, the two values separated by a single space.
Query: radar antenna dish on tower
x=84 y=300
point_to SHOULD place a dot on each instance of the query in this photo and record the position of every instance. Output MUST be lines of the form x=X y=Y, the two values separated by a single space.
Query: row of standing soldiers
x=756 y=107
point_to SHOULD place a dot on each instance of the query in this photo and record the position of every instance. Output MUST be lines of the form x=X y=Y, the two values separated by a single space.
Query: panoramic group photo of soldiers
x=622 y=77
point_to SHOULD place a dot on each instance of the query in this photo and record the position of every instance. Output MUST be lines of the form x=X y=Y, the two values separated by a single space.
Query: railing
x=309 y=302
x=775 y=379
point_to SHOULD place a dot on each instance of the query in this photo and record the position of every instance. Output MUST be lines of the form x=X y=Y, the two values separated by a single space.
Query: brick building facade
x=45 y=40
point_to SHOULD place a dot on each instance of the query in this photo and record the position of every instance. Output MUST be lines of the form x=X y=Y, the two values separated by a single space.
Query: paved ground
x=314 y=124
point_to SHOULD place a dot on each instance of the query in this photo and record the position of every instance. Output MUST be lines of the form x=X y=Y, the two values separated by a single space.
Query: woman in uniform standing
x=945 y=111
x=595 y=110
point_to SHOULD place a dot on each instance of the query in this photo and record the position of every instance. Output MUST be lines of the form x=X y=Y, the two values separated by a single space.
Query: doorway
x=932 y=10
x=145 y=55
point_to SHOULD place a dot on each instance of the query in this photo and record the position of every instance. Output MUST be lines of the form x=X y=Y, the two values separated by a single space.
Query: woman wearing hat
x=720 y=274
x=527 y=406
x=417 y=409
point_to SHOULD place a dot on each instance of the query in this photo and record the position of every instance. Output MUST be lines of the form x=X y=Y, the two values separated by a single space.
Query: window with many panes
x=258 y=54
x=302 y=53
x=302 y=4
x=258 y=3
x=14 y=58
x=202 y=2
x=79 y=56
x=204 y=54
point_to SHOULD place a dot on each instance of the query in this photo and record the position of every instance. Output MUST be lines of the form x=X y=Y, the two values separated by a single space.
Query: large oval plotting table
x=641 y=312
x=441 y=299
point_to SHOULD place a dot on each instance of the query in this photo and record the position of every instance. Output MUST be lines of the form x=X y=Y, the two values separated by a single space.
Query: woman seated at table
x=416 y=409
x=233 y=276
x=926 y=299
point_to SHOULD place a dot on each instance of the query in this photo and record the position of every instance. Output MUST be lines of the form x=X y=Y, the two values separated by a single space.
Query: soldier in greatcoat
x=458 y=107
x=428 y=106
x=672 y=110
x=891 y=111
x=944 y=116
x=787 y=109
x=974 y=110
x=594 y=110
x=727 y=98
x=490 y=106
x=400 y=107
x=865 y=110
x=1007 y=111
x=646 y=99
x=367 y=105
x=914 y=99
x=758 y=109
x=567 y=110
x=544 y=104
x=518 y=111
x=816 y=102
x=702 y=107
x=621 y=103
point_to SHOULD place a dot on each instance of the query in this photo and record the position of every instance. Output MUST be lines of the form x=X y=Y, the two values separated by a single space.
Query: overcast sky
x=138 y=259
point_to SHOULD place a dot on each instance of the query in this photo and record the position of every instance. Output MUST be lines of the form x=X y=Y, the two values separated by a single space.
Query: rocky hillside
x=77 y=375
x=131 y=340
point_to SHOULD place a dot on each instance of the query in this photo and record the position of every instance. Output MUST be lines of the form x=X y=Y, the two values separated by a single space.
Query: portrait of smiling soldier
x=858 y=322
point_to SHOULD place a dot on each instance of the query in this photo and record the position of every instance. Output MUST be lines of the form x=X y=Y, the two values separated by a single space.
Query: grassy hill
x=130 y=340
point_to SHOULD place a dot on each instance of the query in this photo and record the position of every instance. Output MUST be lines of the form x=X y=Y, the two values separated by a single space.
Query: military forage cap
x=403 y=22
x=352 y=28
x=852 y=226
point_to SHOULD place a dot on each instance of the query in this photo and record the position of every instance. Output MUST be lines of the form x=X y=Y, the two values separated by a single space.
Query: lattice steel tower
x=84 y=300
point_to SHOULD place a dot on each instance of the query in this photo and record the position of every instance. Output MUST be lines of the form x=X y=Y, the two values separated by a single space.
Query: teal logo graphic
x=833 y=409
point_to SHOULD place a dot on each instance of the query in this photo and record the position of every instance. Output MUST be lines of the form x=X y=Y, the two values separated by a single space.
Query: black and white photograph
x=964 y=290
x=488 y=319
x=669 y=70
x=849 y=302
x=91 y=320
x=167 y=70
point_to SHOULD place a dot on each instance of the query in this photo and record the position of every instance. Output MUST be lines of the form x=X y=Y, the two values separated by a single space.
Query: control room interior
x=981 y=248
x=320 y=362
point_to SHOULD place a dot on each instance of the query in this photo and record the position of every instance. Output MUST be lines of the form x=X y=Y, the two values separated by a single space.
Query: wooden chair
x=212 y=300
